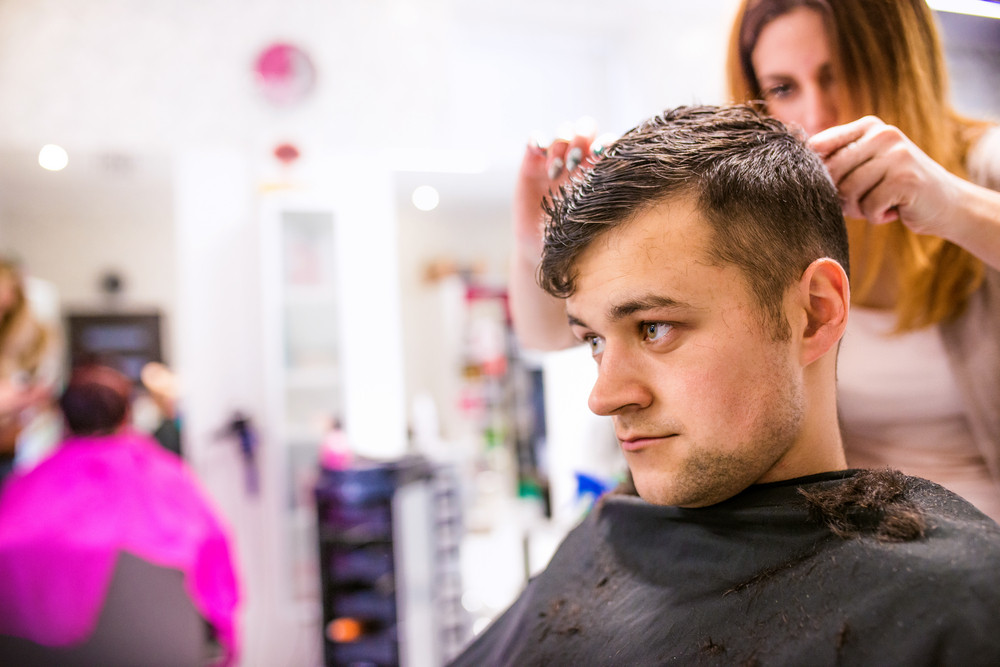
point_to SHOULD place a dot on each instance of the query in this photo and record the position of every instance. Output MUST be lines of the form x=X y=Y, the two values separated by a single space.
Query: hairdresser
x=29 y=359
x=919 y=367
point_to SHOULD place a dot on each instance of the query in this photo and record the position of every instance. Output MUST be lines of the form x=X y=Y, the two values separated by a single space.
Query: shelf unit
x=388 y=535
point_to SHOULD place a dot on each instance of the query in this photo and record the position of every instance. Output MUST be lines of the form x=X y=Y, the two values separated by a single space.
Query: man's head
x=96 y=400
x=769 y=200
x=701 y=258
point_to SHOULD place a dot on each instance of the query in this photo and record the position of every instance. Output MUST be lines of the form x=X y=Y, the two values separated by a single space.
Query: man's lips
x=635 y=442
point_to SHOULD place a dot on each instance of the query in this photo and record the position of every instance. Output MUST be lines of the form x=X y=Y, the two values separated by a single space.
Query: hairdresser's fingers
x=861 y=165
x=579 y=138
x=530 y=189
x=580 y=154
x=556 y=163
x=867 y=192
x=879 y=139
x=880 y=174
x=833 y=139
x=884 y=175
x=856 y=169
x=544 y=169
x=923 y=194
x=878 y=205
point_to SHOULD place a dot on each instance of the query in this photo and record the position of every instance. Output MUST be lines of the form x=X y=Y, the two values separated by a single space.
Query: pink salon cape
x=63 y=522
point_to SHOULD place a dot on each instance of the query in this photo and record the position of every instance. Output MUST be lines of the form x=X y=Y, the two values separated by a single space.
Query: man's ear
x=826 y=294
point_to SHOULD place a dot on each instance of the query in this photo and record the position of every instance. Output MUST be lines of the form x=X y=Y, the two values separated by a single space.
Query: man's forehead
x=673 y=229
x=658 y=259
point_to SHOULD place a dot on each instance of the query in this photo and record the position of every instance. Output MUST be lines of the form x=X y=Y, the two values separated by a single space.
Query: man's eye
x=596 y=344
x=656 y=330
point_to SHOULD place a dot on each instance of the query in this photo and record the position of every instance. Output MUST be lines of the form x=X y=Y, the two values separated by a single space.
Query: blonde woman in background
x=919 y=368
x=27 y=358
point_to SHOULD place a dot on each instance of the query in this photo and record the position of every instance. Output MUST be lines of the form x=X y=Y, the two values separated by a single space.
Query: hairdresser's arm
x=539 y=318
x=15 y=398
x=881 y=175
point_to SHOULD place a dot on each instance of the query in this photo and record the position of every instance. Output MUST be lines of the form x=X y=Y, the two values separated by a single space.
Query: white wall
x=393 y=74
x=131 y=83
x=107 y=214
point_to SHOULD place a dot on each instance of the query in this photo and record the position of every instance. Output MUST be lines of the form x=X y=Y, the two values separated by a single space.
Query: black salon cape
x=755 y=581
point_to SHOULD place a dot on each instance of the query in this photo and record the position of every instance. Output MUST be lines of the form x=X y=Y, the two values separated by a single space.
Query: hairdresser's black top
x=856 y=568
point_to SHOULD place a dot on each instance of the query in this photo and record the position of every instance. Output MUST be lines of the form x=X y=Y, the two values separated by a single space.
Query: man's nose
x=621 y=383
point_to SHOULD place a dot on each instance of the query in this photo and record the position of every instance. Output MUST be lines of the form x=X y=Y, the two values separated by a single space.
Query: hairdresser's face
x=705 y=402
x=794 y=68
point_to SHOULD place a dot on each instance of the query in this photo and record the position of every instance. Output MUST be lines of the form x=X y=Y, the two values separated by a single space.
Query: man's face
x=705 y=402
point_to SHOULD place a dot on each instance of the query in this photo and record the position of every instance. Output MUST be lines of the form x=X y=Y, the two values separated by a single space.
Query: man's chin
x=663 y=489
x=656 y=489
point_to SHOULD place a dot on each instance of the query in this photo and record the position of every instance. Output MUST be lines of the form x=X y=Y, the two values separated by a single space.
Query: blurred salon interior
x=287 y=224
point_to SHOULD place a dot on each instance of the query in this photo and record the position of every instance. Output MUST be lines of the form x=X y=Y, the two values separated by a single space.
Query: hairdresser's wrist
x=528 y=251
x=976 y=224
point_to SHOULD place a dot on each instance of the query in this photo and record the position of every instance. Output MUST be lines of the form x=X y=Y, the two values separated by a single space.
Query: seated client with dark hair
x=96 y=401
x=106 y=498
x=703 y=260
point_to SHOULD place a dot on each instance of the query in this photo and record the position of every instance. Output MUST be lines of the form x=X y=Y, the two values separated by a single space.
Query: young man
x=704 y=261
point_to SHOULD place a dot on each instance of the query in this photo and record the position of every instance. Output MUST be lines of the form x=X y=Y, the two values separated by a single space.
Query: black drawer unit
x=388 y=546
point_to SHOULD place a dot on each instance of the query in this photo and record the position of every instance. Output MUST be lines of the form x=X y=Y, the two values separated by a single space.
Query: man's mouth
x=633 y=442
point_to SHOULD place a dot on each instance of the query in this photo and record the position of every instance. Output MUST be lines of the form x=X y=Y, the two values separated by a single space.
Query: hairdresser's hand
x=539 y=318
x=543 y=170
x=15 y=398
x=881 y=175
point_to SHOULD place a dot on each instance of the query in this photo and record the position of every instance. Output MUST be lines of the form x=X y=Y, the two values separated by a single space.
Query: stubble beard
x=715 y=472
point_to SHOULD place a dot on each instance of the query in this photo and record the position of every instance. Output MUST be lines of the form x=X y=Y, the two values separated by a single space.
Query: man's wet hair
x=767 y=197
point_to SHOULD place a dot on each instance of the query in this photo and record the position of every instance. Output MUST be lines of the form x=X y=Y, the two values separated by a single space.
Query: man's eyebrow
x=622 y=310
x=649 y=302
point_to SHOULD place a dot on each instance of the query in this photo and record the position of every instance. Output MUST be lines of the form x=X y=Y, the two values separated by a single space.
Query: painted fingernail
x=601 y=144
x=555 y=169
x=574 y=158
x=535 y=146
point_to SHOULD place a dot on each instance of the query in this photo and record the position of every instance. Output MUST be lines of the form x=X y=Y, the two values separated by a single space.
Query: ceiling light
x=426 y=198
x=53 y=158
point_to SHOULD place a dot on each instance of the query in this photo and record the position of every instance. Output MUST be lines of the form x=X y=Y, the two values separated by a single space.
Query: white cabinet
x=331 y=354
x=303 y=371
